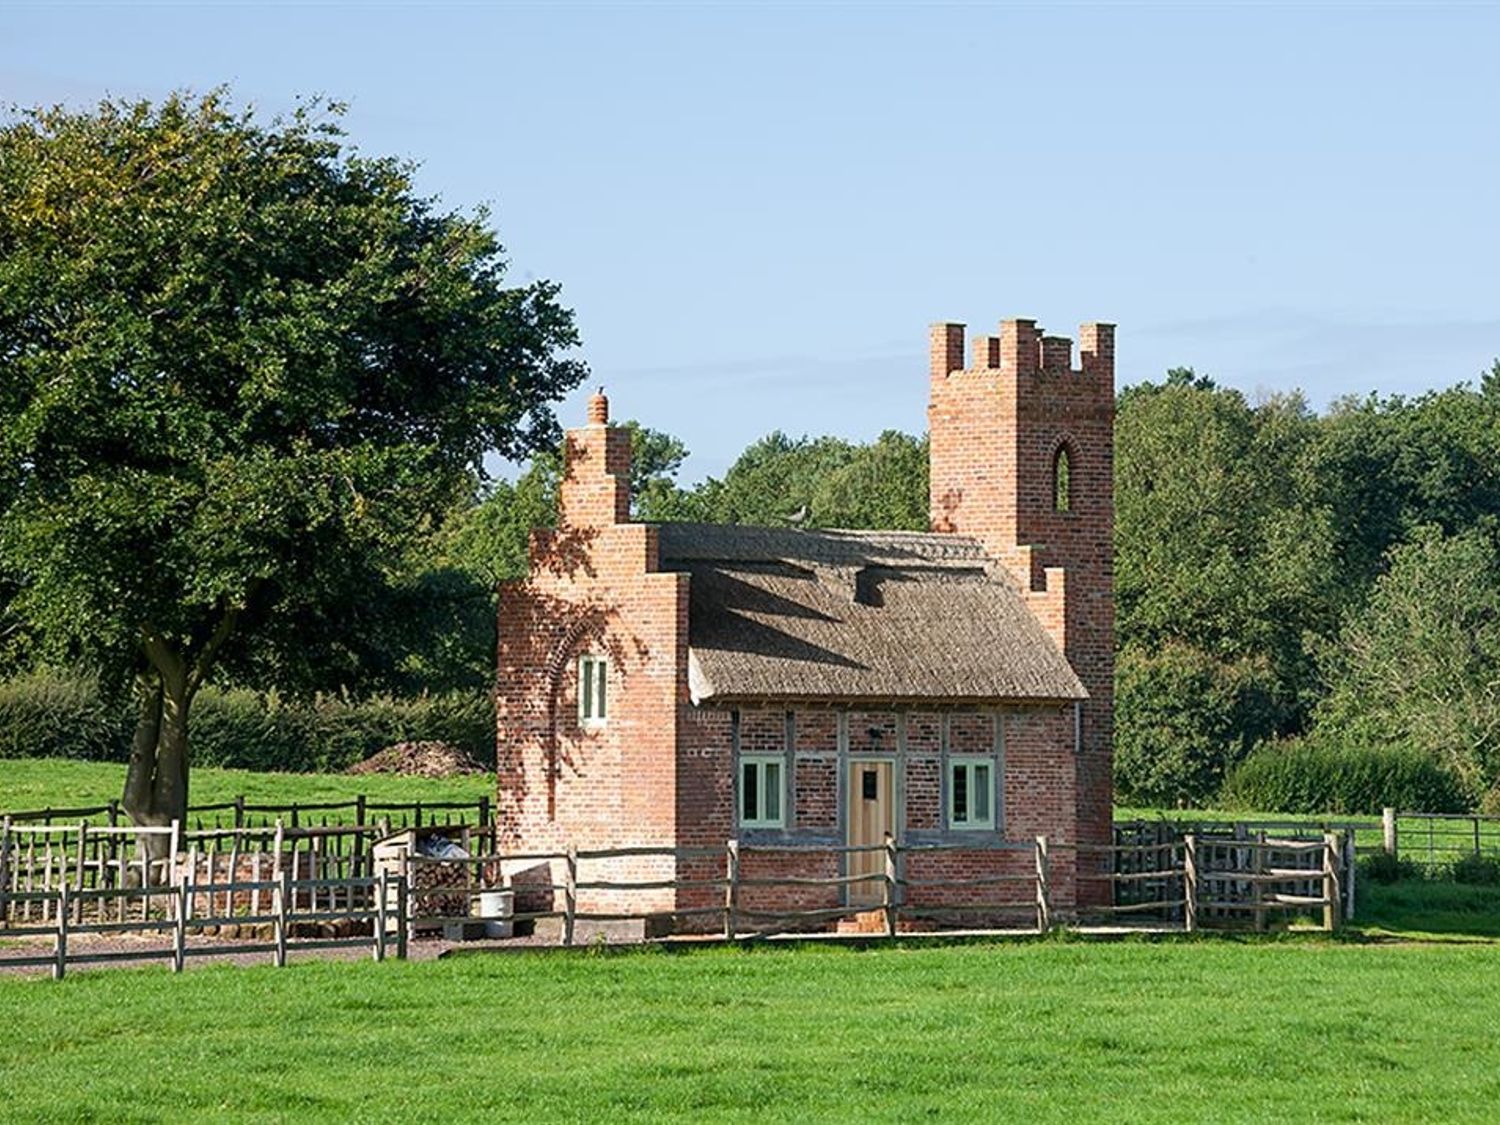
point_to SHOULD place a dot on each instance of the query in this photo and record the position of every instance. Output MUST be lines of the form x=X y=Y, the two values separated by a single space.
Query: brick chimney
x=595 y=490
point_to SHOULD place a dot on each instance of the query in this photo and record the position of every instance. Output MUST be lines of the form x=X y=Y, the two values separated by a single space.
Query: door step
x=873 y=922
x=865 y=922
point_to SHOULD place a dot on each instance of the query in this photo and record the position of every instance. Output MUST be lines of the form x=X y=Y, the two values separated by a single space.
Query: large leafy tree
x=242 y=369
x=1223 y=571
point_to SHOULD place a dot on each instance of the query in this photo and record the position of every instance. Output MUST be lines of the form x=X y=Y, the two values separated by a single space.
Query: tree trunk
x=156 y=780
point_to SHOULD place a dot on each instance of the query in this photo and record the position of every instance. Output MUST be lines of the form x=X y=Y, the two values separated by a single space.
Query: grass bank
x=1046 y=1031
x=35 y=783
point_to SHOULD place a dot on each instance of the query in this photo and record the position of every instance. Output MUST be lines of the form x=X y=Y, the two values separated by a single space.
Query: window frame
x=760 y=763
x=970 y=764
x=593 y=690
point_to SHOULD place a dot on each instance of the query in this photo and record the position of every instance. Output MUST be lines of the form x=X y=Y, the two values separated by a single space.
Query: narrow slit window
x=593 y=686
x=1062 y=483
x=971 y=794
x=762 y=796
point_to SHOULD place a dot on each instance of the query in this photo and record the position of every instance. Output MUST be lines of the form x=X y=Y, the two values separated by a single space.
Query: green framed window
x=593 y=689
x=762 y=795
x=971 y=793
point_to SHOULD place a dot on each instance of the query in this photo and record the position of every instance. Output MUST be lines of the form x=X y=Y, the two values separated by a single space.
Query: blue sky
x=757 y=211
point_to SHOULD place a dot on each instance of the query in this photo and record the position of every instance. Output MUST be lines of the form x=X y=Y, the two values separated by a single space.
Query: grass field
x=36 y=783
x=1043 y=1031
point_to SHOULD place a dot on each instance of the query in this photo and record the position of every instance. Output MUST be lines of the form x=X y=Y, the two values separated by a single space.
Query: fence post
x=112 y=810
x=357 y=850
x=1043 y=890
x=174 y=841
x=60 y=966
x=282 y=892
x=570 y=894
x=79 y=867
x=1349 y=866
x=731 y=889
x=1257 y=871
x=1190 y=882
x=179 y=924
x=1330 y=881
x=382 y=909
x=1476 y=837
x=403 y=907
x=5 y=873
x=890 y=903
x=1388 y=830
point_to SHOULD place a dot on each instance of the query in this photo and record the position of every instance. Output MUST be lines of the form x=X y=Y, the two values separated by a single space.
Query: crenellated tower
x=1022 y=459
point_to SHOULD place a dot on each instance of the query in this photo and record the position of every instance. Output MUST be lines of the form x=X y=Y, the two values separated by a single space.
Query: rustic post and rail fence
x=279 y=889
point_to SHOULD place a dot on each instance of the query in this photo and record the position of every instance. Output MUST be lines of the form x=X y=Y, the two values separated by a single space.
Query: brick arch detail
x=553 y=670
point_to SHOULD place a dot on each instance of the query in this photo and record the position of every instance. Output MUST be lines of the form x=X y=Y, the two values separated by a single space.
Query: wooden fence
x=1434 y=841
x=381 y=903
x=271 y=900
x=1246 y=871
x=36 y=859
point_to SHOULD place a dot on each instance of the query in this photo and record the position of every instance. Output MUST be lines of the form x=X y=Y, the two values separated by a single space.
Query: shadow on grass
x=1417 y=909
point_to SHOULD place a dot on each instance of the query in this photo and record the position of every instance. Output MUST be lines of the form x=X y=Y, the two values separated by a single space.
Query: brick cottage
x=680 y=685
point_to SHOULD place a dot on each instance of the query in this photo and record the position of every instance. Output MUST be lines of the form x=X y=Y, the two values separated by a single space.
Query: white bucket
x=496 y=907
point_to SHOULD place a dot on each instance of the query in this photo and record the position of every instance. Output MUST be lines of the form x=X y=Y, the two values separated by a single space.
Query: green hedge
x=1302 y=777
x=54 y=714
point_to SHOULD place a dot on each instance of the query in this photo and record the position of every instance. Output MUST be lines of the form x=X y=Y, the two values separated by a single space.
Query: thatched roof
x=779 y=613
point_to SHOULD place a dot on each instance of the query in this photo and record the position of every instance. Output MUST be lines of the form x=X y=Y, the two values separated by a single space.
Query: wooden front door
x=872 y=807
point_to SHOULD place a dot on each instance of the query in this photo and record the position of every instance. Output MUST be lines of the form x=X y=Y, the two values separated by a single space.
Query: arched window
x=1062 y=483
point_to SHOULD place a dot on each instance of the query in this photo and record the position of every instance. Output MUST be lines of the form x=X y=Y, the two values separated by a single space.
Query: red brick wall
x=1038 y=797
x=996 y=425
x=592 y=589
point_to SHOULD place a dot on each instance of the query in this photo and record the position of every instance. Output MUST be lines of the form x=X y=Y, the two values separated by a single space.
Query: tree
x=242 y=370
x=1387 y=466
x=1224 y=568
x=829 y=481
x=1419 y=664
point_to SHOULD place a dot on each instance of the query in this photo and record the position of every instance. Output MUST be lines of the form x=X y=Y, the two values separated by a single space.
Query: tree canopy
x=243 y=369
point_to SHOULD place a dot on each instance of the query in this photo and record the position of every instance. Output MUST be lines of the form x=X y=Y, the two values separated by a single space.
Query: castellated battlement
x=1022 y=349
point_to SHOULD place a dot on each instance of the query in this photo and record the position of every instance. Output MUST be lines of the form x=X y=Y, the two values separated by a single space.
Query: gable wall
x=562 y=782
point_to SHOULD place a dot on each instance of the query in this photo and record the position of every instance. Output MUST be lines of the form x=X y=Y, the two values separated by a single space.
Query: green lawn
x=35 y=783
x=1043 y=1031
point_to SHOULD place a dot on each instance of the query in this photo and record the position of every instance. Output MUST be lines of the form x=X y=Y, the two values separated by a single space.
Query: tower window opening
x=1062 y=485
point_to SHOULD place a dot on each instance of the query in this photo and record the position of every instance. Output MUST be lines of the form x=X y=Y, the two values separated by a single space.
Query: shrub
x=59 y=714
x=1479 y=870
x=1306 y=777
x=1382 y=867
